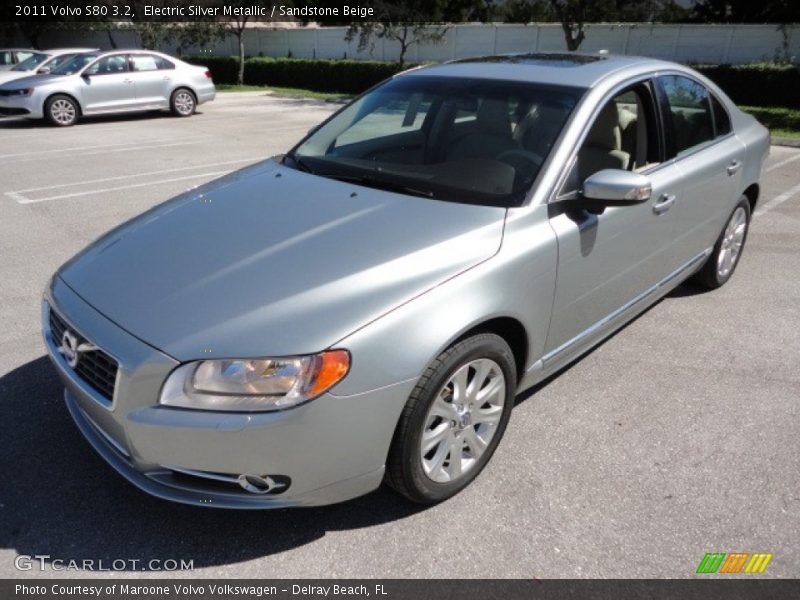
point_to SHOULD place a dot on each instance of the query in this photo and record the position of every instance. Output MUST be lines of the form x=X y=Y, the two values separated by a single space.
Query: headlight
x=25 y=92
x=260 y=384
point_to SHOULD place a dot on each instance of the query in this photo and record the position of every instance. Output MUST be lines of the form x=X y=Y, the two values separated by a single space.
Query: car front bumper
x=329 y=450
x=26 y=106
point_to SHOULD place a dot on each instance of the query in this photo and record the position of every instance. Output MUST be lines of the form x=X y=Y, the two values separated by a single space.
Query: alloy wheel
x=732 y=242
x=462 y=420
x=63 y=111
x=184 y=103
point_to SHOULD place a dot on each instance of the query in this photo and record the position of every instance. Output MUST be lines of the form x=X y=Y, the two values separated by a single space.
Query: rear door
x=609 y=262
x=152 y=77
x=709 y=156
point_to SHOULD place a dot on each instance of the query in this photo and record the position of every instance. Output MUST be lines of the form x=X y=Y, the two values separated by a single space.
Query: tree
x=574 y=14
x=409 y=22
x=747 y=11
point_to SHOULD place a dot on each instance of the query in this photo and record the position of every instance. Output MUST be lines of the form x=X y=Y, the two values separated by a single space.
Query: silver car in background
x=41 y=62
x=367 y=307
x=101 y=83
x=11 y=56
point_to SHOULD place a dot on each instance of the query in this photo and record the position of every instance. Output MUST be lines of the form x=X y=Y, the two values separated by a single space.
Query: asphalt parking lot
x=678 y=436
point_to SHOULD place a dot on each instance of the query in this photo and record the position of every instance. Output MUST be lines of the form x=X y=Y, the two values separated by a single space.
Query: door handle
x=733 y=167
x=664 y=203
x=127 y=81
x=167 y=78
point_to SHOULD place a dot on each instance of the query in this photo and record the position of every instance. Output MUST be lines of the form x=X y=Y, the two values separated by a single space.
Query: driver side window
x=109 y=65
x=622 y=136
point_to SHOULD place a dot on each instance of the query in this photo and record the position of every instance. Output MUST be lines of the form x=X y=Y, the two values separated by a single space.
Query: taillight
x=208 y=74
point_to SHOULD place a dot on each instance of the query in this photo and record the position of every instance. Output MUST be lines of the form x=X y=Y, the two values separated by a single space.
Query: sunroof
x=542 y=60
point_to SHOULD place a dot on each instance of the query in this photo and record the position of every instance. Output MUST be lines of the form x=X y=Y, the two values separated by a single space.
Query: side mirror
x=615 y=187
x=43 y=71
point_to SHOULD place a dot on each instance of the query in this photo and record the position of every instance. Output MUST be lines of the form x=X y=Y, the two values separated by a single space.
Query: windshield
x=466 y=140
x=74 y=65
x=30 y=63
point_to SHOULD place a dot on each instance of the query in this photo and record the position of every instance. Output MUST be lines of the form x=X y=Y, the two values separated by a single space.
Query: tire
x=432 y=474
x=183 y=102
x=61 y=110
x=722 y=262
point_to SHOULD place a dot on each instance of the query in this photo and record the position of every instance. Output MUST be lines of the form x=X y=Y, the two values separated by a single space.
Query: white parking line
x=777 y=200
x=24 y=200
x=137 y=175
x=783 y=163
x=81 y=148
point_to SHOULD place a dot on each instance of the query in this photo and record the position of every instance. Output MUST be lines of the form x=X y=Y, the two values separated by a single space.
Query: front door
x=107 y=85
x=611 y=261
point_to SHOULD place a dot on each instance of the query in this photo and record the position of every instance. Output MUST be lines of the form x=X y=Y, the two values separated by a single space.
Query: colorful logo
x=735 y=562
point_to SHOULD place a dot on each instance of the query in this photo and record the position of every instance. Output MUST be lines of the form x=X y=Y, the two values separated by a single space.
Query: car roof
x=553 y=68
x=57 y=51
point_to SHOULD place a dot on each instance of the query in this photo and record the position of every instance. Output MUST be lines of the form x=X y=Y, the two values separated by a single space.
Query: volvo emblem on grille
x=71 y=350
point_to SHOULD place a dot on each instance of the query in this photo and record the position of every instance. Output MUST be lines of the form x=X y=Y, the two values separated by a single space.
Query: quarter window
x=690 y=109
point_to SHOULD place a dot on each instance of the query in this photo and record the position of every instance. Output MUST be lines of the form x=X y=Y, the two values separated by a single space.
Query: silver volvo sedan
x=366 y=307
x=100 y=83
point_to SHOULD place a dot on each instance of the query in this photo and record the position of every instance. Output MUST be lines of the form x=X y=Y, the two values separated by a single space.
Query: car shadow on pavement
x=61 y=499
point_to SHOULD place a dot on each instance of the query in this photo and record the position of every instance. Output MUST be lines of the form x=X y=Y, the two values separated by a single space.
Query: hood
x=274 y=261
x=6 y=76
x=28 y=80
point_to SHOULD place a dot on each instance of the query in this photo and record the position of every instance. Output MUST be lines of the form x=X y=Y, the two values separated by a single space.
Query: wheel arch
x=68 y=95
x=752 y=193
x=508 y=328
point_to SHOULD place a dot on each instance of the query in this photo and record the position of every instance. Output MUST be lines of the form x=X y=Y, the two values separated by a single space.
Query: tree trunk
x=240 y=77
x=573 y=40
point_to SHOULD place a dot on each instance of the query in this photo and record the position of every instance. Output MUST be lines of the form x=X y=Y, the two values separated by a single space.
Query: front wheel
x=725 y=256
x=183 y=103
x=61 y=110
x=453 y=420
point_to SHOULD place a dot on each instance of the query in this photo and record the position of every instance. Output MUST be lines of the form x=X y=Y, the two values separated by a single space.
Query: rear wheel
x=183 y=102
x=453 y=420
x=723 y=260
x=61 y=110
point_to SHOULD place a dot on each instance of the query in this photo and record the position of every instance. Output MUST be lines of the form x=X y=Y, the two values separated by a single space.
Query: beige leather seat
x=490 y=135
x=537 y=130
x=603 y=146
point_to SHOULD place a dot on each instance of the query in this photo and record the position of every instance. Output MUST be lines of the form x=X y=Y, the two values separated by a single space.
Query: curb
x=784 y=141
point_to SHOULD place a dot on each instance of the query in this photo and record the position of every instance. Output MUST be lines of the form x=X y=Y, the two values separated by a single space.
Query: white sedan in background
x=41 y=63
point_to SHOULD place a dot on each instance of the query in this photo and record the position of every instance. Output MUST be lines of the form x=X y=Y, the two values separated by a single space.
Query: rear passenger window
x=150 y=62
x=722 y=122
x=690 y=107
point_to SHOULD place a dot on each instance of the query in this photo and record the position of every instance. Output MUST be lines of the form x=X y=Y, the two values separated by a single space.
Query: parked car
x=11 y=56
x=99 y=83
x=41 y=63
x=367 y=307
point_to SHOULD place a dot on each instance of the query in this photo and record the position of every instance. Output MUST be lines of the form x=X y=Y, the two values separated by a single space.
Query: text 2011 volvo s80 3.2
x=366 y=307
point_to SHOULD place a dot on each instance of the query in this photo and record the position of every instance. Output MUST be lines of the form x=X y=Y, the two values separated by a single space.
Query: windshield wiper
x=370 y=181
x=301 y=164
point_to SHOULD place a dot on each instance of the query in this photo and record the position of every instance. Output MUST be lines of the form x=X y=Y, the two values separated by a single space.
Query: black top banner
x=332 y=12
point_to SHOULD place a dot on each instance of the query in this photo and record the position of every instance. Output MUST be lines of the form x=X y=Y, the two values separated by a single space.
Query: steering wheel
x=521 y=159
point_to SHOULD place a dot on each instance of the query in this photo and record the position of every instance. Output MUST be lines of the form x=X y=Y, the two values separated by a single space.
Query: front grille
x=95 y=367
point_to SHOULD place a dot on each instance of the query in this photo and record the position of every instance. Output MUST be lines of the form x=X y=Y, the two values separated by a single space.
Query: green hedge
x=762 y=84
x=758 y=84
x=341 y=76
